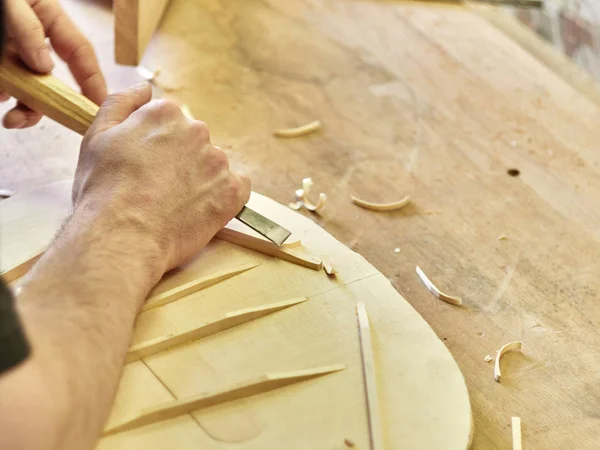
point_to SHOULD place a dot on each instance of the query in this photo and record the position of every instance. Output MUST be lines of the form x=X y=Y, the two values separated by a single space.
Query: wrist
x=117 y=237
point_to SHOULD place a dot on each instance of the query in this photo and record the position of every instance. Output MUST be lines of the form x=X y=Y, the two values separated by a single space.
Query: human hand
x=143 y=165
x=28 y=23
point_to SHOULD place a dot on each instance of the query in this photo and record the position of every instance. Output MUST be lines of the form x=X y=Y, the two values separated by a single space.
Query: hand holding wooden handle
x=47 y=94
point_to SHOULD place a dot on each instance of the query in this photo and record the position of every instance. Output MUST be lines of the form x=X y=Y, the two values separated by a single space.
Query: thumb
x=119 y=106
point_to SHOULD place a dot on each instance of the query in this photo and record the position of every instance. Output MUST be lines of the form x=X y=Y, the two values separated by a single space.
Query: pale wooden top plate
x=423 y=399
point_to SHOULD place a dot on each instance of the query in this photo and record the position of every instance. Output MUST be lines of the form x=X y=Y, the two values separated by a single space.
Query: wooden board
x=419 y=99
x=423 y=398
x=135 y=23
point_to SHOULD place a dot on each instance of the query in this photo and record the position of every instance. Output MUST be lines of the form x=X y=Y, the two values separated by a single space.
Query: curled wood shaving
x=517 y=439
x=435 y=291
x=515 y=345
x=299 y=131
x=185 y=109
x=293 y=244
x=393 y=206
x=147 y=74
x=302 y=196
x=6 y=193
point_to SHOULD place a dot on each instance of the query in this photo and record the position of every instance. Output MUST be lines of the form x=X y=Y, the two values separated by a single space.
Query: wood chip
x=515 y=345
x=488 y=358
x=185 y=109
x=435 y=291
x=348 y=443
x=328 y=266
x=502 y=237
x=517 y=439
x=147 y=74
x=6 y=193
x=393 y=206
x=302 y=197
x=299 y=131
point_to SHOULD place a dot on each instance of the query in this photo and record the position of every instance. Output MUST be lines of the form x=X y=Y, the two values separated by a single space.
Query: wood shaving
x=348 y=443
x=295 y=206
x=393 y=206
x=502 y=237
x=515 y=345
x=147 y=74
x=435 y=291
x=299 y=131
x=6 y=193
x=302 y=196
x=517 y=439
x=293 y=244
x=488 y=358
x=397 y=250
x=185 y=109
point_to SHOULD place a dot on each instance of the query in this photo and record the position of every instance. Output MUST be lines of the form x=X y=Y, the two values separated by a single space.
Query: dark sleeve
x=14 y=347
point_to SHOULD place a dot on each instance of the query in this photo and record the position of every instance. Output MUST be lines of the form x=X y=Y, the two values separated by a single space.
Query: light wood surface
x=426 y=100
x=433 y=410
x=135 y=23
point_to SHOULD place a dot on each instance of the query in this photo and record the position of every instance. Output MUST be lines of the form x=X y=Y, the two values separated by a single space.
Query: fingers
x=118 y=107
x=21 y=117
x=28 y=32
x=72 y=47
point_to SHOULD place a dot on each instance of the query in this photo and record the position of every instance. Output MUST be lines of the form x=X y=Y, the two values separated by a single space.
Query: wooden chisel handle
x=47 y=94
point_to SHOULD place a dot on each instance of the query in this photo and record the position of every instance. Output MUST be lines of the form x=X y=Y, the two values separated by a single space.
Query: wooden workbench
x=425 y=100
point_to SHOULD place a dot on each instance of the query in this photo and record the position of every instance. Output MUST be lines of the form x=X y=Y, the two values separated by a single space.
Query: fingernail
x=44 y=59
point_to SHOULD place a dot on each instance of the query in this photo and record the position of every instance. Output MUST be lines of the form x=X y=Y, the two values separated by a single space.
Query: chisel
x=53 y=98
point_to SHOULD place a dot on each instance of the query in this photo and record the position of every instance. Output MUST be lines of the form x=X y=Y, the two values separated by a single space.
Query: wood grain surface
x=425 y=100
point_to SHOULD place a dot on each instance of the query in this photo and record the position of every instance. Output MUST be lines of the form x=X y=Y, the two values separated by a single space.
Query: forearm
x=78 y=306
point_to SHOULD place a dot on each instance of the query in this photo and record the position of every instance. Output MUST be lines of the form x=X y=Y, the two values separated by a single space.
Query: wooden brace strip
x=517 y=440
x=230 y=320
x=369 y=377
x=193 y=286
x=249 y=388
x=268 y=248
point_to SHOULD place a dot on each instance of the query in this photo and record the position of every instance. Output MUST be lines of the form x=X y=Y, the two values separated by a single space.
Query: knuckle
x=31 y=29
x=200 y=130
x=163 y=109
x=218 y=160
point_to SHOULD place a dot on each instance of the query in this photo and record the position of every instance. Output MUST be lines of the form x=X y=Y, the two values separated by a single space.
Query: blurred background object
x=572 y=26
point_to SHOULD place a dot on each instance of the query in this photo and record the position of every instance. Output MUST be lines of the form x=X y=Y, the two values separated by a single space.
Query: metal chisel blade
x=269 y=229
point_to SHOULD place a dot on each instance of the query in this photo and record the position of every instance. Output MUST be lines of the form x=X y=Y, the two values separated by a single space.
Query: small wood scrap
x=381 y=207
x=517 y=439
x=488 y=358
x=502 y=237
x=397 y=250
x=302 y=200
x=179 y=407
x=515 y=345
x=178 y=292
x=435 y=291
x=328 y=266
x=369 y=377
x=348 y=443
x=6 y=193
x=299 y=131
